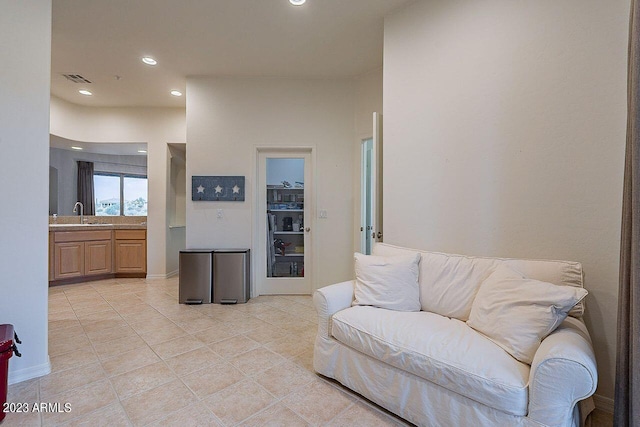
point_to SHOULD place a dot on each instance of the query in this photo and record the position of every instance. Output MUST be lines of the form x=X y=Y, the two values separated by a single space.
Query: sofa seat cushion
x=438 y=349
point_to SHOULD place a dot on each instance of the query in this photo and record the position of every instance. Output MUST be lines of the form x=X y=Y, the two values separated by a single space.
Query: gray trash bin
x=196 y=276
x=231 y=276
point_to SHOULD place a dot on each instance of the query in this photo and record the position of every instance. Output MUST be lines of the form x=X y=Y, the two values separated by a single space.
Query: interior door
x=284 y=222
x=371 y=184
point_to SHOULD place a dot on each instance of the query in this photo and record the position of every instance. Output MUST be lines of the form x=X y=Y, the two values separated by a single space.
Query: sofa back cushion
x=449 y=283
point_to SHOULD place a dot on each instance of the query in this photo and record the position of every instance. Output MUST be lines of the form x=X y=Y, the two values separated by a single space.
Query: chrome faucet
x=75 y=209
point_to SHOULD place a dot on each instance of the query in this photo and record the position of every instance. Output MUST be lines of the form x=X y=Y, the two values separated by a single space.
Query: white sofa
x=435 y=370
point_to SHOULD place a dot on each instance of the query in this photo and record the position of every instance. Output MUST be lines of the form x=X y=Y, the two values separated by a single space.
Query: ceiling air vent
x=76 y=78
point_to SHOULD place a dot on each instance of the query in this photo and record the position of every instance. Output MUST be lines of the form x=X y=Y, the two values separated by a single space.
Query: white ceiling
x=101 y=39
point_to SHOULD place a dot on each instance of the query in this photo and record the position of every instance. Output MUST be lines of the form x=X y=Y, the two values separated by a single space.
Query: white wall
x=25 y=31
x=228 y=118
x=504 y=135
x=155 y=126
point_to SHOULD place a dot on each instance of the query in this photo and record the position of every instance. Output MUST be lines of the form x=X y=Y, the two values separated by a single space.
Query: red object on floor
x=7 y=347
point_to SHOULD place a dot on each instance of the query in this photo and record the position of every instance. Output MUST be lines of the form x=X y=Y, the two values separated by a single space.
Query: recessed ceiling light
x=85 y=92
x=142 y=151
x=149 y=60
x=176 y=93
x=297 y=2
x=76 y=148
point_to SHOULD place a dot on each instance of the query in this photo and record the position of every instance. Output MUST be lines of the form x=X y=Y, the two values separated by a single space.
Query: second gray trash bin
x=231 y=276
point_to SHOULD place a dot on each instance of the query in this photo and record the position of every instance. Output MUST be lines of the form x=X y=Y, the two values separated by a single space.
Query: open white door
x=376 y=179
x=371 y=188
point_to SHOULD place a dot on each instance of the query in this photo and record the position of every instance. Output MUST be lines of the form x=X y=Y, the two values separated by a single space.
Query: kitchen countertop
x=94 y=227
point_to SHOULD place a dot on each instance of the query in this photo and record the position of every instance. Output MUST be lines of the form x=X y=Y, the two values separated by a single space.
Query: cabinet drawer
x=131 y=234
x=81 y=236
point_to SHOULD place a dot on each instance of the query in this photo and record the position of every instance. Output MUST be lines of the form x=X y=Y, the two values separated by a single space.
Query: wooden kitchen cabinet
x=69 y=260
x=97 y=257
x=131 y=252
x=81 y=253
x=92 y=254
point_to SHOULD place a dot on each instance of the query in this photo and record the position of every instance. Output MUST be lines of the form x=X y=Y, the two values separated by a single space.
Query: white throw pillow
x=387 y=282
x=518 y=313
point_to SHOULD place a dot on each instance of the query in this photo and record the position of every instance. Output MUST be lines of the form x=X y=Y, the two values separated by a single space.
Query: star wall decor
x=217 y=188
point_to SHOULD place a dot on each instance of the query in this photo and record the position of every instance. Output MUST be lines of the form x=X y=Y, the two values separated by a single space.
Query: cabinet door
x=97 y=257
x=131 y=256
x=69 y=260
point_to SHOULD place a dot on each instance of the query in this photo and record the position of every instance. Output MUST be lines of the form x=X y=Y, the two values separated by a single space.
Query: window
x=120 y=194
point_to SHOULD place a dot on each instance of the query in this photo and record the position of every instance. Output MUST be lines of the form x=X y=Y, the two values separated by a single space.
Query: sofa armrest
x=563 y=372
x=329 y=300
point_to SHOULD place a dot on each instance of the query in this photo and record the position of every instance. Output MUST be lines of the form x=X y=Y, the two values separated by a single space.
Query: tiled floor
x=125 y=353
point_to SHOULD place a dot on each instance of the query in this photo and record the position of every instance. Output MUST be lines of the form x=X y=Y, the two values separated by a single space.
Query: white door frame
x=258 y=248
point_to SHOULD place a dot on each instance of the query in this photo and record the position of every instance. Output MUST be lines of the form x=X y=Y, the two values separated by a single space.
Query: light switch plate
x=323 y=213
x=219 y=213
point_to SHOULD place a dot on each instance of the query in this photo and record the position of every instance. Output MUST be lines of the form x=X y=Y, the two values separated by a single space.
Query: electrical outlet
x=323 y=213
x=219 y=214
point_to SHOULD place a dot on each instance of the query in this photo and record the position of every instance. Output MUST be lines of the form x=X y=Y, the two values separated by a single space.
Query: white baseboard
x=29 y=373
x=603 y=403
x=163 y=276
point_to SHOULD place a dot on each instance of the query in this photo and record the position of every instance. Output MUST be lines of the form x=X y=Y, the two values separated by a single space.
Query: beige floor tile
x=109 y=349
x=101 y=325
x=194 y=415
x=163 y=334
x=289 y=346
x=92 y=309
x=229 y=314
x=197 y=324
x=257 y=360
x=361 y=414
x=63 y=344
x=95 y=316
x=72 y=359
x=151 y=325
x=253 y=308
x=194 y=360
x=82 y=401
x=301 y=299
x=158 y=403
x=62 y=322
x=215 y=334
x=239 y=401
x=22 y=419
x=143 y=313
x=233 y=346
x=66 y=380
x=129 y=361
x=276 y=415
x=212 y=379
x=174 y=347
x=284 y=378
x=305 y=360
x=110 y=416
x=26 y=391
x=104 y=335
x=266 y=333
x=246 y=325
x=66 y=332
x=318 y=402
x=142 y=379
x=96 y=304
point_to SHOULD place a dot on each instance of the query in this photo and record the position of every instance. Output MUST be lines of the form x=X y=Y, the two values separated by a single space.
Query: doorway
x=284 y=262
x=371 y=188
